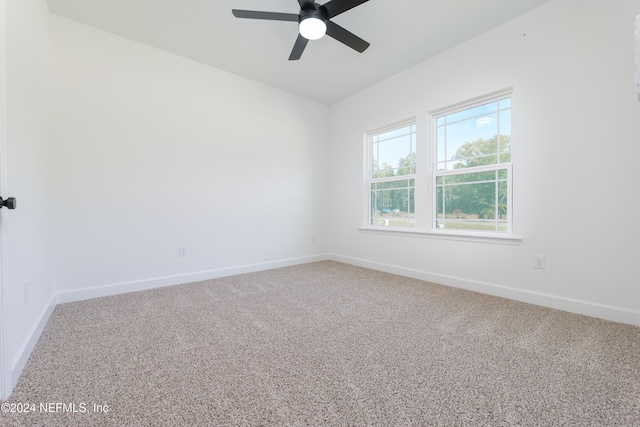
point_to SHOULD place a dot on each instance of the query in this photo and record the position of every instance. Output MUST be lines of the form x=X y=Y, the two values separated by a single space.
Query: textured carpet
x=326 y=344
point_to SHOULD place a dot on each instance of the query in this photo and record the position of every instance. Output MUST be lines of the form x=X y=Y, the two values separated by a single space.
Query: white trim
x=475 y=169
x=393 y=126
x=159 y=282
x=25 y=350
x=5 y=367
x=464 y=236
x=637 y=73
x=602 y=311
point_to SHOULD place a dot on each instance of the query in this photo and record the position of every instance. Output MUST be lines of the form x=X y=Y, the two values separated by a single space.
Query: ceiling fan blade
x=306 y=4
x=298 y=48
x=343 y=36
x=336 y=7
x=271 y=16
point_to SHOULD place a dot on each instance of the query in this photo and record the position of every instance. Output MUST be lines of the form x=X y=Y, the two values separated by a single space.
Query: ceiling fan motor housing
x=312 y=23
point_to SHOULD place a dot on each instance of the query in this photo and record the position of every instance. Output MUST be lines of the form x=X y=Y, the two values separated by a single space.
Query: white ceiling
x=402 y=33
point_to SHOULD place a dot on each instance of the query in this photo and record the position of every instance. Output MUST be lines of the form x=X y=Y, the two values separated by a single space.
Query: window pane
x=394 y=133
x=474 y=137
x=505 y=103
x=502 y=200
x=472 y=112
x=505 y=122
x=468 y=143
x=393 y=203
x=472 y=201
x=505 y=136
x=439 y=207
x=440 y=149
x=393 y=152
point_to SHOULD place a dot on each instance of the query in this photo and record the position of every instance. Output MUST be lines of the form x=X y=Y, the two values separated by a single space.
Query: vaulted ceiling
x=402 y=33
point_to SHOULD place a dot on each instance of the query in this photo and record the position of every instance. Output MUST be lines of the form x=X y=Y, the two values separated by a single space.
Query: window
x=391 y=176
x=463 y=188
x=472 y=167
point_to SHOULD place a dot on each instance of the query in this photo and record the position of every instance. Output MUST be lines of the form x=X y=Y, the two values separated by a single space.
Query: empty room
x=342 y=213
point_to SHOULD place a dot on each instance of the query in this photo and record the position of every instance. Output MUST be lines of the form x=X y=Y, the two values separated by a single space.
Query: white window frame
x=433 y=117
x=369 y=180
x=425 y=181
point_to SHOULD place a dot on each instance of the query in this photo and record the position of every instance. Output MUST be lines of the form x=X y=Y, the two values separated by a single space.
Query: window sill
x=479 y=237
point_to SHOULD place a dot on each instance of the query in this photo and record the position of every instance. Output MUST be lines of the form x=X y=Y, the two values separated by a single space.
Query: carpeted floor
x=326 y=344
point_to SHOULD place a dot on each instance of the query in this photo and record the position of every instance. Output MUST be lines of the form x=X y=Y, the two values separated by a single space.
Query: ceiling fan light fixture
x=312 y=28
x=314 y=21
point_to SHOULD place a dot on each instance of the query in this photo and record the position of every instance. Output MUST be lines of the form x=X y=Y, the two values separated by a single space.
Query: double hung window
x=472 y=167
x=468 y=189
x=392 y=175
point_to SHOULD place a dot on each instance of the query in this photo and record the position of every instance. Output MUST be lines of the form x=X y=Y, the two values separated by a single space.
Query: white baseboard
x=615 y=314
x=158 y=282
x=24 y=352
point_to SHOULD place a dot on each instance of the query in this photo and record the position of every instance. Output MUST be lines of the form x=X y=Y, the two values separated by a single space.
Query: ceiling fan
x=314 y=21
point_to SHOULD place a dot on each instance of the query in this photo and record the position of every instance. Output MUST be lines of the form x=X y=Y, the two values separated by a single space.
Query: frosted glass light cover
x=312 y=28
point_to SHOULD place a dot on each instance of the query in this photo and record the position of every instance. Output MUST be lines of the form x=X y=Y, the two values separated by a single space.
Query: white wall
x=28 y=230
x=154 y=151
x=576 y=127
x=119 y=153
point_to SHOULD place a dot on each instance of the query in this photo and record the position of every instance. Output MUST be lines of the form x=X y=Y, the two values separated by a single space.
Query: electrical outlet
x=539 y=262
x=25 y=288
x=182 y=251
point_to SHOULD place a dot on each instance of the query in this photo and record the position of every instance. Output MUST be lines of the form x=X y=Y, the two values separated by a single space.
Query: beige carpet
x=326 y=344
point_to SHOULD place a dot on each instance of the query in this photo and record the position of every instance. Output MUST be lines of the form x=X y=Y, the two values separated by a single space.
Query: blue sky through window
x=470 y=125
